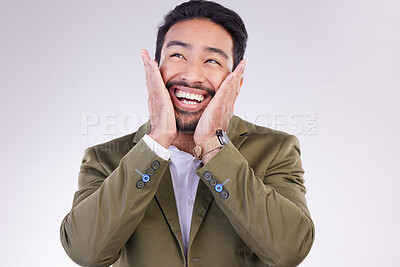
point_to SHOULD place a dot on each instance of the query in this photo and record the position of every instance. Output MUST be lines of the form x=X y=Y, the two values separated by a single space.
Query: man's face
x=195 y=59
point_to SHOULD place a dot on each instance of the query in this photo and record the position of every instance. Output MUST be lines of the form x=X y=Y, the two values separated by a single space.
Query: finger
x=240 y=79
x=145 y=60
x=235 y=86
x=156 y=75
x=154 y=79
x=148 y=65
x=239 y=86
x=232 y=77
x=238 y=72
x=226 y=84
x=145 y=56
x=240 y=67
x=235 y=83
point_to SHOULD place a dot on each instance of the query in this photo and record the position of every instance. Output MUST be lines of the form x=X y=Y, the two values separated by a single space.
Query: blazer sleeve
x=108 y=206
x=268 y=212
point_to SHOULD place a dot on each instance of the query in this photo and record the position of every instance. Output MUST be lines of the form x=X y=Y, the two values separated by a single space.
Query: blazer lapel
x=165 y=193
x=203 y=200
x=166 y=200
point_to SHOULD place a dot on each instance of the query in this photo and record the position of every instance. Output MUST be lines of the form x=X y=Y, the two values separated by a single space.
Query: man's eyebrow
x=189 y=46
x=216 y=50
x=179 y=43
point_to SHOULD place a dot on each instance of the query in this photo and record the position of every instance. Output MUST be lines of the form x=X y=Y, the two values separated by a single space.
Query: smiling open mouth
x=188 y=98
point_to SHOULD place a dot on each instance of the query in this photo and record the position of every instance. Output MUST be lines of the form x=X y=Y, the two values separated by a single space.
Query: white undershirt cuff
x=161 y=151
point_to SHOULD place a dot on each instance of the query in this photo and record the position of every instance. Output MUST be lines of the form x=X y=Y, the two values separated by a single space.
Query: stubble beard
x=186 y=121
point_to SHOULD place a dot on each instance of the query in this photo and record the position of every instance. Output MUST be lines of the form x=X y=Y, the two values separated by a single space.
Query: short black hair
x=200 y=9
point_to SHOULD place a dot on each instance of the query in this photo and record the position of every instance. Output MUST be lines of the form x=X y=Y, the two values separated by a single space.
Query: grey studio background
x=326 y=71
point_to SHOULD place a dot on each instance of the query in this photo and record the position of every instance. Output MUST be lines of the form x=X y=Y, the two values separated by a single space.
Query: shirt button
x=140 y=184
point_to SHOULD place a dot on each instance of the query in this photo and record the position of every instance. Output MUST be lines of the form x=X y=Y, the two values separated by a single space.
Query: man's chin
x=186 y=126
x=186 y=121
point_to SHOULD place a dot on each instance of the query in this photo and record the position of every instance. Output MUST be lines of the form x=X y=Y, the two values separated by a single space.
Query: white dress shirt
x=184 y=180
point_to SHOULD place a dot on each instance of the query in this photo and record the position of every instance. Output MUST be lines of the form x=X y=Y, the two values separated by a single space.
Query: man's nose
x=193 y=73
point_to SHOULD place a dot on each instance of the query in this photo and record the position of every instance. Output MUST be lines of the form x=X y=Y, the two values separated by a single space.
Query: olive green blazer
x=259 y=218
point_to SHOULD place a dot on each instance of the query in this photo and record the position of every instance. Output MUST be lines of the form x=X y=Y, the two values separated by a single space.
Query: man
x=194 y=186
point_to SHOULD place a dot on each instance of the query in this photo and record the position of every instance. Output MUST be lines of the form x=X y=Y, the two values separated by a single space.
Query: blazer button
x=207 y=176
x=150 y=171
x=145 y=178
x=218 y=188
x=213 y=182
x=155 y=164
x=224 y=194
x=140 y=184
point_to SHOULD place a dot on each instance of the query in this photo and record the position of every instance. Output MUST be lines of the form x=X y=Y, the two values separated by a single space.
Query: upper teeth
x=183 y=94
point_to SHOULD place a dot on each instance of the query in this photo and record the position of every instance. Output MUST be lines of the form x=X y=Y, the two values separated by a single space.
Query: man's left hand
x=220 y=109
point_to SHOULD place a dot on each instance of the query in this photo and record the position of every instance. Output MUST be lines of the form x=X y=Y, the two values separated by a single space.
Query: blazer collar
x=237 y=131
x=144 y=129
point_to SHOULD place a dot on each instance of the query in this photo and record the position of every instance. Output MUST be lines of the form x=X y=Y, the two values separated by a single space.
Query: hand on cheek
x=220 y=109
x=162 y=116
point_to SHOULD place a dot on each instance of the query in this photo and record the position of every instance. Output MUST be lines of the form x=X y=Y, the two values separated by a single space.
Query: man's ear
x=241 y=82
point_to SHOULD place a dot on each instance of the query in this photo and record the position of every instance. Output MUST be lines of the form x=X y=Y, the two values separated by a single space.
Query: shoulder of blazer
x=260 y=133
x=109 y=154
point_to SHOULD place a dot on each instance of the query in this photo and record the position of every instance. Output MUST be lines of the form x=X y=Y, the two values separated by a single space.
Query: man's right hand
x=162 y=114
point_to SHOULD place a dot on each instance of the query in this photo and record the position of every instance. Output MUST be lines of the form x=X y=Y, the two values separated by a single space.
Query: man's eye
x=177 y=55
x=213 y=61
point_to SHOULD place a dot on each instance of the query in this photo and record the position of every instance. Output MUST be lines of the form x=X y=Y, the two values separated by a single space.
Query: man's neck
x=184 y=142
